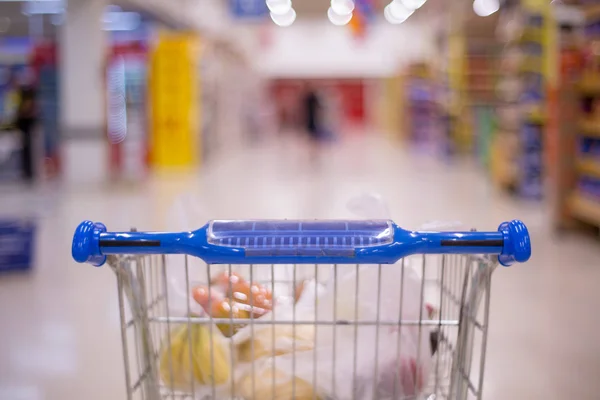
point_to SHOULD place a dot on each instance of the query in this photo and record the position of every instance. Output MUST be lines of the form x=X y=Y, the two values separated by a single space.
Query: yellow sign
x=174 y=101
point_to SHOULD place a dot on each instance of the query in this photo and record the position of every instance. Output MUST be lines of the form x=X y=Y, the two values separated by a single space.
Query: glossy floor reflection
x=60 y=328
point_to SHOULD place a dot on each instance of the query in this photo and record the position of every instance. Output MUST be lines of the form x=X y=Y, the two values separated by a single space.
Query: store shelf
x=591 y=11
x=589 y=85
x=585 y=208
x=589 y=166
x=589 y=128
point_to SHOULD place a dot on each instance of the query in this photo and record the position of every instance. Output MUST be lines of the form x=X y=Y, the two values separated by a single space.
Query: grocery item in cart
x=241 y=291
x=270 y=382
x=230 y=296
x=194 y=352
x=217 y=306
x=362 y=359
x=266 y=340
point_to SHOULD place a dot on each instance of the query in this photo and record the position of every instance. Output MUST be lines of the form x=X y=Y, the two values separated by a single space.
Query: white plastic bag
x=369 y=352
x=361 y=361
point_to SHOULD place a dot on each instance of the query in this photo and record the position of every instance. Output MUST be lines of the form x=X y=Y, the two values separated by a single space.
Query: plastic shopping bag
x=361 y=361
x=367 y=360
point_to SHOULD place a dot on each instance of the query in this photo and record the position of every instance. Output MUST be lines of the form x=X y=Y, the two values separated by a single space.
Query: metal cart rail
x=455 y=270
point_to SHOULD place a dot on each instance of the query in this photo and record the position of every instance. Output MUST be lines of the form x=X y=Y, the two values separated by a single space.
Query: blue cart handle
x=301 y=242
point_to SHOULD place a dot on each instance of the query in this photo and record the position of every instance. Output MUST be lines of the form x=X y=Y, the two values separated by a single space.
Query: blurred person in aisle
x=20 y=114
x=312 y=111
x=25 y=122
x=312 y=108
x=10 y=102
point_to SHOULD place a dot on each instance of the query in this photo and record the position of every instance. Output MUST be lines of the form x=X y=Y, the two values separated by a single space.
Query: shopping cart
x=454 y=267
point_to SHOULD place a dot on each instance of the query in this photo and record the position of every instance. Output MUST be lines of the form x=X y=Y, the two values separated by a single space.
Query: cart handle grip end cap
x=86 y=243
x=517 y=243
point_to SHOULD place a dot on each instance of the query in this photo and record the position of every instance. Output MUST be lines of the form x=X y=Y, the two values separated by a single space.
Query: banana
x=210 y=374
x=177 y=370
x=175 y=363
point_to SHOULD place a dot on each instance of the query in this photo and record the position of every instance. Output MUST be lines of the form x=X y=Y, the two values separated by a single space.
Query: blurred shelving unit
x=518 y=158
x=482 y=52
x=577 y=188
x=470 y=73
x=459 y=132
x=450 y=70
x=419 y=108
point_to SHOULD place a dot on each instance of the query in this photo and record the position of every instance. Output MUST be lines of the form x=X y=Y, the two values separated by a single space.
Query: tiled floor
x=59 y=329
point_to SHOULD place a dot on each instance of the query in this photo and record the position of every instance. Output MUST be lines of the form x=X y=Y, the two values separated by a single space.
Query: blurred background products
x=466 y=110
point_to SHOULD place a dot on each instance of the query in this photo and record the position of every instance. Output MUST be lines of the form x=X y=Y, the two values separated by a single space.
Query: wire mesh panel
x=305 y=331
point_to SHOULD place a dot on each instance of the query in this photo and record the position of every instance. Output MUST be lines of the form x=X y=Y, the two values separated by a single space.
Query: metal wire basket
x=454 y=279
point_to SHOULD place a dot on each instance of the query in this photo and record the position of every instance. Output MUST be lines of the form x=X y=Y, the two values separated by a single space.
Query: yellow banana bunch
x=178 y=369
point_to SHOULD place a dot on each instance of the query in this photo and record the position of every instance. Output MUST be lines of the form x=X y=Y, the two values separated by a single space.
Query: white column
x=82 y=60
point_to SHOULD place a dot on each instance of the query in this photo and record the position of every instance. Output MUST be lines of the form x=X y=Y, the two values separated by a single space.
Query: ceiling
x=13 y=23
x=318 y=8
x=20 y=25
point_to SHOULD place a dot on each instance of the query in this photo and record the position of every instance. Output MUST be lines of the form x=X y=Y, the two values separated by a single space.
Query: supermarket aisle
x=60 y=328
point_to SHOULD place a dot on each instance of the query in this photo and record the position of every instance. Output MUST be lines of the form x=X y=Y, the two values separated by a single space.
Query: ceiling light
x=399 y=10
x=396 y=13
x=338 y=19
x=484 y=8
x=279 y=7
x=284 y=19
x=390 y=18
x=342 y=7
x=412 y=4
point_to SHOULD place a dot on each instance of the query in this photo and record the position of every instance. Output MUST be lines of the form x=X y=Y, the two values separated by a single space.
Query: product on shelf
x=523 y=90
